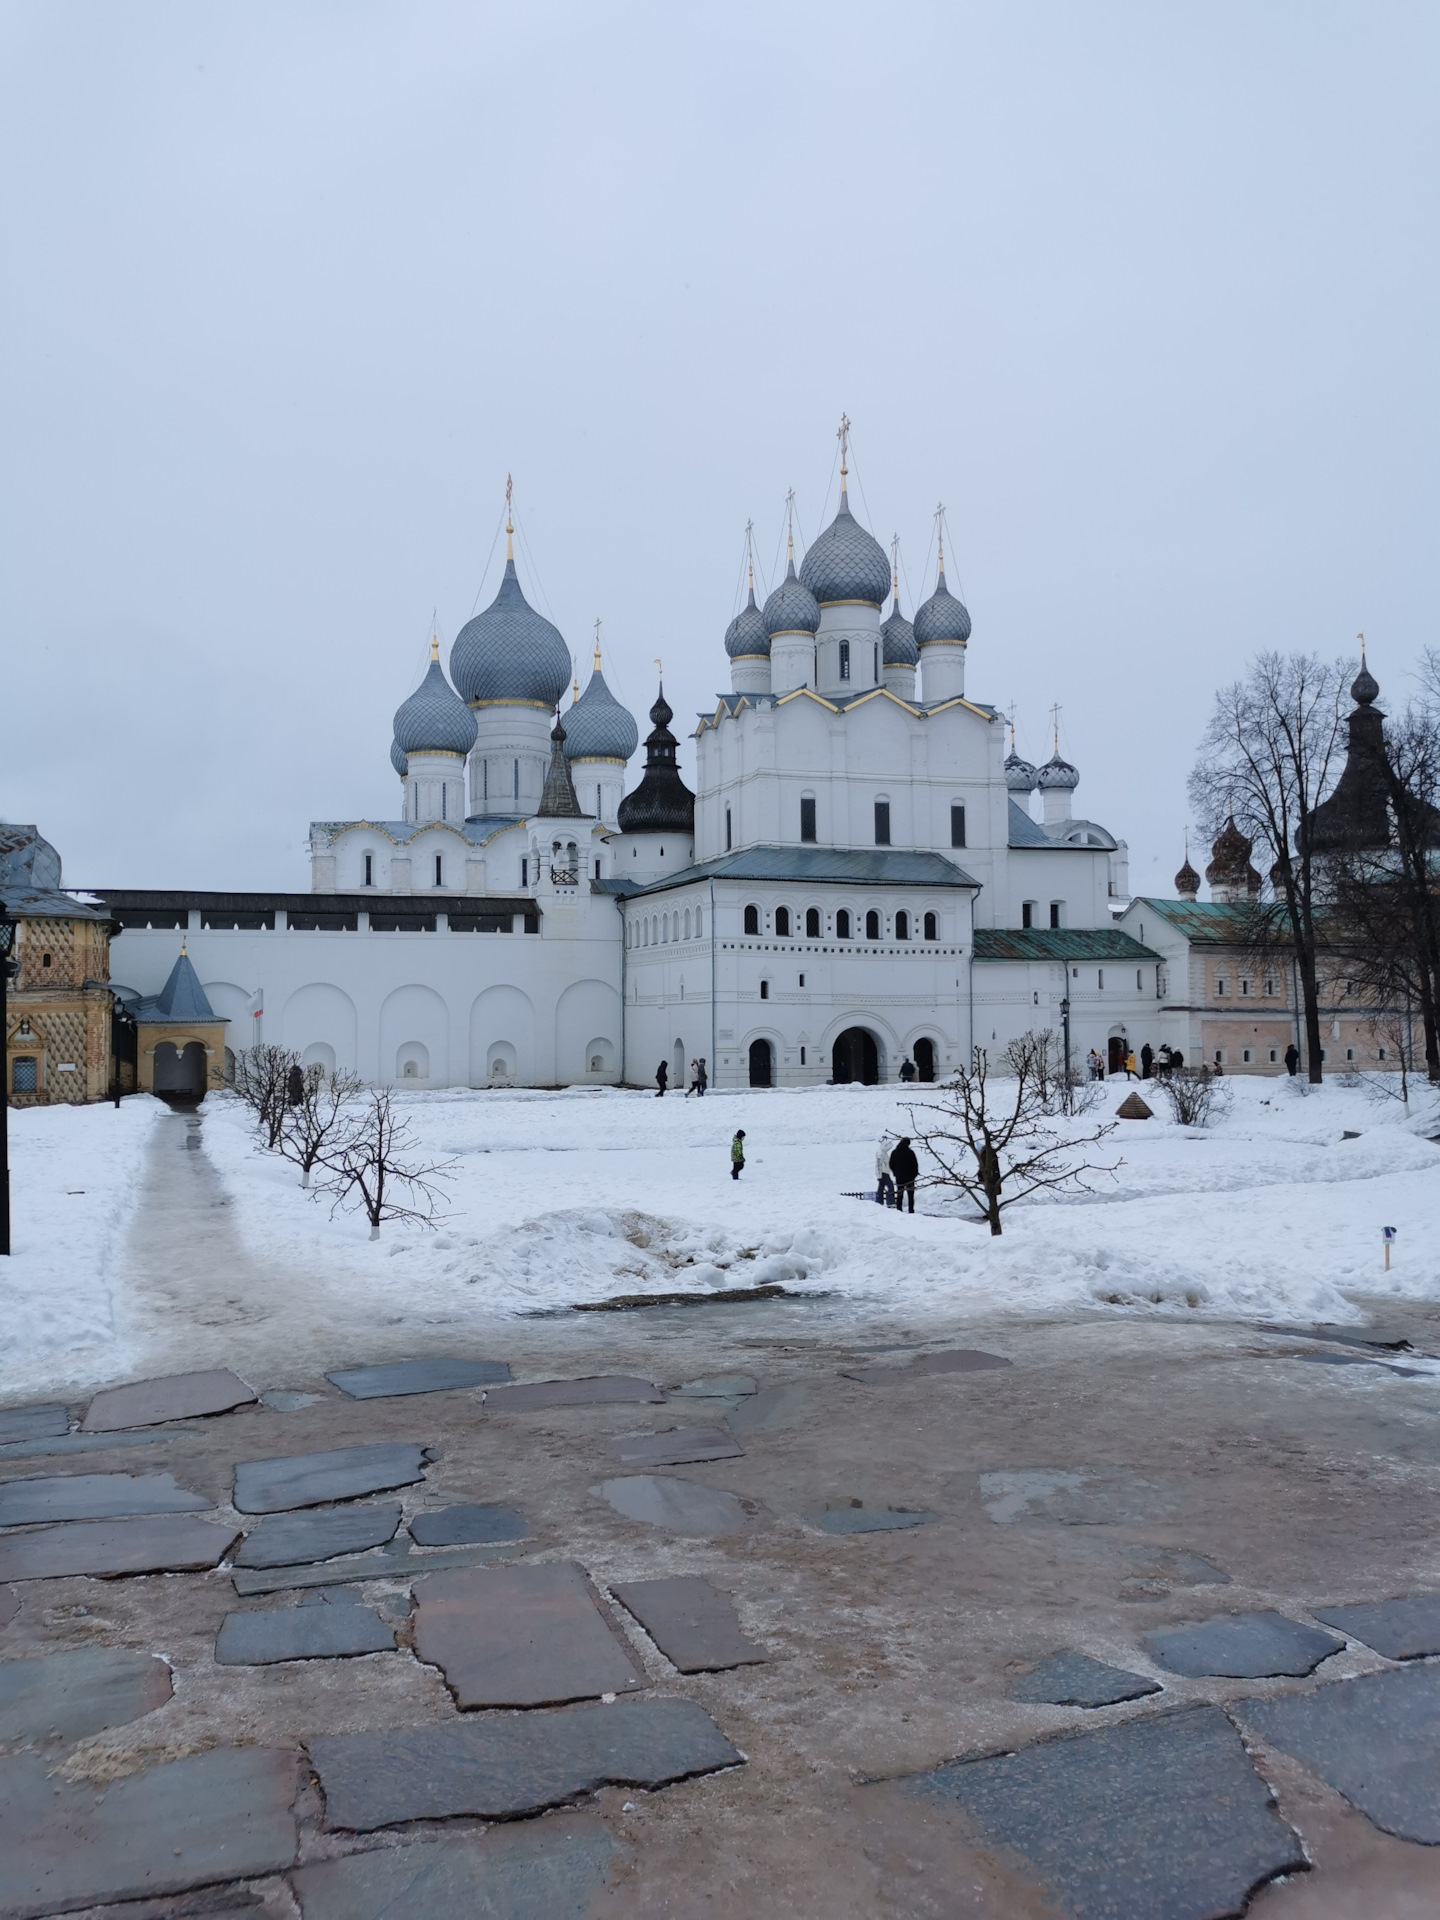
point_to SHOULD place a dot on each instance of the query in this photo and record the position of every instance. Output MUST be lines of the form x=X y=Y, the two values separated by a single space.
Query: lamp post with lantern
x=8 y=970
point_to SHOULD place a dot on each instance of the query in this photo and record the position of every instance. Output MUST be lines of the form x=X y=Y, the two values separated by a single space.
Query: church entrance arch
x=925 y=1059
x=180 y=1071
x=762 y=1064
x=1118 y=1047
x=855 y=1056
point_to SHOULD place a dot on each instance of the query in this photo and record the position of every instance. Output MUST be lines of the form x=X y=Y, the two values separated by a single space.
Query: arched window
x=752 y=919
x=727 y=829
x=665 y=929
x=872 y=925
x=902 y=926
x=782 y=922
x=807 y=816
x=932 y=927
x=439 y=869
x=369 y=870
x=842 y=924
x=812 y=923
x=699 y=923
x=687 y=923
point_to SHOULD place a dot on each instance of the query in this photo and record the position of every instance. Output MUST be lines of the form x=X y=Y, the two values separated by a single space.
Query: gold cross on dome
x=843 y=436
x=597 y=646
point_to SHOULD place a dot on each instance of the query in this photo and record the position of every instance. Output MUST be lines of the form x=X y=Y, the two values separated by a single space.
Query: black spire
x=1357 y=815
x=558 y=801
x=662 y=803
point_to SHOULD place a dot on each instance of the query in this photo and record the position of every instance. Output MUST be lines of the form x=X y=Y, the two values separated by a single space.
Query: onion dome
x=943 y=619
x=1187 y=880
x=791 y=608
x=434 y=719
x=1056 y=773
x=845 y=562
x=746 y=635
x=510 y=652
x=1230 y=866
x=1364 y=688
x=398 y=760
x=558 y=801
x=1020 y=776
x=598 y=727
x=662 y=803
x=898 y=636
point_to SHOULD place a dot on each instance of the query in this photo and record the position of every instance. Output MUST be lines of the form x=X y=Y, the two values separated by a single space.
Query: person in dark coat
x=737 y=1153
x=1292 y=1059
x=907 y=1070
x=662 y=1079
x=906 y=1170
x=703 y=1079
x=294 y=1085
x=1147 y=1061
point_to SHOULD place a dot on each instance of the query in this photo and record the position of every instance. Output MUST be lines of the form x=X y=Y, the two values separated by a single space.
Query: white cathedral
x=859 y=879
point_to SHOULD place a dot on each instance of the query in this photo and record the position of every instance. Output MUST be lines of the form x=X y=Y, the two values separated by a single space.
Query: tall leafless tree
x=262 y=1080
x=1268 y=758
x=374 y=1166
x=996 y=1150
x=317 y=1123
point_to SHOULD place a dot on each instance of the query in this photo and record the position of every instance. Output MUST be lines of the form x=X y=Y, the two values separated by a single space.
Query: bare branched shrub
x=320 y=1110
x=1196 y=1096
x=1061 y=1088
x=373 y=1167
x=997 y=1154
x=262 y=1080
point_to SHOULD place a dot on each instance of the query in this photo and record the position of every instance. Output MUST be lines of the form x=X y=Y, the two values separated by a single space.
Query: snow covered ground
x=557 y=1198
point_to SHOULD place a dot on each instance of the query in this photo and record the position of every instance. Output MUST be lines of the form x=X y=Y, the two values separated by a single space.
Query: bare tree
x=1266 y=761
x=1062 y=1086
x=316 y=1123
x=998 y=1153
x=262 y=1080
x=1196 y=1095
x=373 y=1167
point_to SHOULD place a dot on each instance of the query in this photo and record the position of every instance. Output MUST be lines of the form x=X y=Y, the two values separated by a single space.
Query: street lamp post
x=1065 y=1023
x=7 y=967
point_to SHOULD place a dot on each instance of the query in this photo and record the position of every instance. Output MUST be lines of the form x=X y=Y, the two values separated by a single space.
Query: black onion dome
x=1229 y=856
x=791 y=608
x=434 y=719
x=898 y=636
x=662 y=803
x=846 y=563
x=942 y=619
x=746 y=634
x=1364 y=688
x=510 y=652
x=597 y=727
x=1187 y=880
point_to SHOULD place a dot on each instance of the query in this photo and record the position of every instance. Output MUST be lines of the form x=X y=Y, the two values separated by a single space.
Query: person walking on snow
x=1292 y=1059
x=907 y=1070
x=694 y=1086
x=662 y=1077
x=1130 y=1073
x=884 y=1179
x=1147 y=1061
x=702 y=1079
x=737 y=1153
x=906 y=1169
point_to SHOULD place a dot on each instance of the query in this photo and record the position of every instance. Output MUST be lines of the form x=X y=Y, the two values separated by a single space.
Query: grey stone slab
x=266 y=1638
x=88 y=1443
x=1163 y=1818
x=175 y=1396
x=868 y=1519
x=722 y=1386
x=299 y=1539
x=1406 y=1629
x=924 y=1365
x=399 y=1377
x=528 y=1636
x=682 y=1506
x=154 y=1543
x=94 y=1496
x=1376 y=1740
x=77 y=1691
x=772 y=1406
x=463 y=1526
x=33 y=1423
x=252 y=1581
x=1241 y=1646
x=331 y=1597
x=555 y=1870
x=315 y=1479
x=1069 y=1679
x=506 y=1765
x=678 y=1448
x=604 y=1390
x=1081 y=1498
x=222 y=1815
x=695 y=1627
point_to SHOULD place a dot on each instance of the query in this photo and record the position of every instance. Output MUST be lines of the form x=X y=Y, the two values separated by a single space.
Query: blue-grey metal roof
x=747 y=636
x=434 y=719
x=1058 y=943
x=845 y=562
x=818 y=866
x=899 y=638
x=597 y=727
x=791 y=608
x=1024 y=832
x=1020 y=776
x=30 y=879
x=398 y=760
x=1058 y=773
x=510 y=652
x=180 y=1002
x=477 y=829
x=942 y=617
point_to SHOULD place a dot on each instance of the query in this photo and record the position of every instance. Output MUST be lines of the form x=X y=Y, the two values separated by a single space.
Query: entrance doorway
x=925 y=1059
x=677 y=1067
x=856 y=1057
x=1115 y=1056
x=180 y=1072
x=762 y=1057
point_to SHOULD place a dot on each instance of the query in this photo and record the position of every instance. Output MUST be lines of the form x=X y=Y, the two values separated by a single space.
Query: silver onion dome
x=942 y=619
x=845 y=562
x=898 y=636
x=1020 y=776
x=791 y=608
x=434 y=719
x=510 y=652
x=597 y=727
x=746 y=634
x=1057 y=773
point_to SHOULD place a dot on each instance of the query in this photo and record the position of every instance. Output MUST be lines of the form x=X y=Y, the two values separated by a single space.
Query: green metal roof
x=1206 y=920
x=1058 y=943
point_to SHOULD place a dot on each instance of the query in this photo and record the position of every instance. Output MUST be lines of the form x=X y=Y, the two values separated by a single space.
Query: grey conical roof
x=180 y=1002
x=898 y=635
x=558 y=801
x=942 y=618
x=597 y=727
x=791 y=608
x=845 y=562
x=510 y=652
x=398 y=760
x=434 y=719
x=746 y=634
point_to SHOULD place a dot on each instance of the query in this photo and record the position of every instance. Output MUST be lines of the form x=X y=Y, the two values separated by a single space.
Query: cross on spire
x=895 y=566
x=790 y=524
x=940 y=533
x=509 y=518
x=1361 y=638
x=750 y=553
x=1055 y=723
x=842 y=434
x=597 y=646
x=1011 y=718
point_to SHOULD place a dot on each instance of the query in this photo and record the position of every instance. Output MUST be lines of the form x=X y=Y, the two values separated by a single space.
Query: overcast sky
x=1146 y=295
